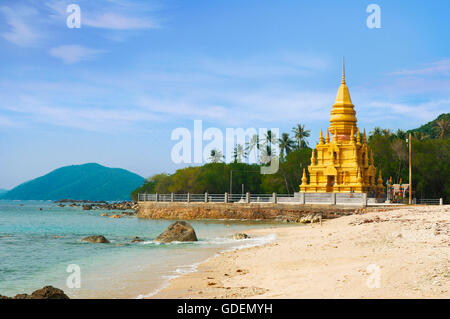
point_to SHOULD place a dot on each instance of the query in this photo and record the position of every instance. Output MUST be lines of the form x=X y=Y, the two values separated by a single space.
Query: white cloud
x=278 y=65
x=421 y=111
x=90 y=119
x=73 y=53
x=118 y=22
x=121 y=15
x=20 y=31
x=438 y=67
x=243 y=108
x=7 y=122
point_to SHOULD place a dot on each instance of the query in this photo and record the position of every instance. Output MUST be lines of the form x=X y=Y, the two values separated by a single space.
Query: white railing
x=297 y=198
x=429 y=201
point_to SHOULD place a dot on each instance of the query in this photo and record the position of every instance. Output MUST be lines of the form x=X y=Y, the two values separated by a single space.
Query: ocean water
x=37 y=246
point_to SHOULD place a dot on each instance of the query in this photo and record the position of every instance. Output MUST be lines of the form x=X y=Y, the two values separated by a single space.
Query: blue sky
x=113 y=91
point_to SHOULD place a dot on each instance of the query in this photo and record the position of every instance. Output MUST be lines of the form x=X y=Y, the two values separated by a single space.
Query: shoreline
x=396 y=253
x=193 y=267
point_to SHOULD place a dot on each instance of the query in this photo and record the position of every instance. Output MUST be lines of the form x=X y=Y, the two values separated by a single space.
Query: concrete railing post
x=188 y=197
x=333 y=198
x=157 y=197
x=274 y=198
x=206 y=197
x=441 y=201
x=364 y=199
x=247 y=197
x=303 y=198
x=172 y=197
x=226 y=198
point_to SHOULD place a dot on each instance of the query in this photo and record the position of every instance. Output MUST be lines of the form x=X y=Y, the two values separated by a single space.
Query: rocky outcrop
x=96 y=239
x=178 y=231
x=47 y=292
x=88 y=205
x=115 y=216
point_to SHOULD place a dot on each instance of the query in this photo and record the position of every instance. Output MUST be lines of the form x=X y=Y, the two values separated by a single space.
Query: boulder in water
x=240 y=236
x=136 y=239
x=96 y=239
x=178 y=231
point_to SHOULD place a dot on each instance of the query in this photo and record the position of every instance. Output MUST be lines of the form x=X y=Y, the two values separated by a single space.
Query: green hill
x=2 y=191
x=431 y=128
x=88 y=181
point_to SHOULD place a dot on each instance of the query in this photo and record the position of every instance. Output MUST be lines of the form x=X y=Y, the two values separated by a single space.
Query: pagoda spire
x=304 y=179
x=343 y=71
x=313 y=157
x=321 y=137
x=380 y=179
x=343 y=114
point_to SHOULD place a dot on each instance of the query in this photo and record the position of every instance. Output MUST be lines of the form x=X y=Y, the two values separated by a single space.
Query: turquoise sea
x=37 y=246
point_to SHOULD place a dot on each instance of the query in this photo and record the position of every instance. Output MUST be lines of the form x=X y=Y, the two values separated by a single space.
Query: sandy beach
x=382 y=253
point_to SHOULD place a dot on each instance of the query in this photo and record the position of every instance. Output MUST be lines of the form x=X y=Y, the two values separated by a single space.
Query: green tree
x=239 y=153
x=215 y=156
x=300 y=134
x=442 y=127
x=286 y=144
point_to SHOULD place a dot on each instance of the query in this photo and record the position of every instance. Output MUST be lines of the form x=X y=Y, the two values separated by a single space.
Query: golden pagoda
x=342 y=163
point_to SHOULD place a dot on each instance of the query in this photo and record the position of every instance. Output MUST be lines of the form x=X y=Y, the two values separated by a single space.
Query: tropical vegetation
x=430 y=163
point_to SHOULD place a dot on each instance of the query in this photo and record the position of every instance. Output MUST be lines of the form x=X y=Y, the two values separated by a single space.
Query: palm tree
x=443 y=127
x=386 y=132
x=270 y=138
x=401 y=134
x=266 y=154
x=253 y=144
x=239 y=153
x=377 y=131
x=215 y=156
x=286 y=144
x=300 y=135
x=420 y=136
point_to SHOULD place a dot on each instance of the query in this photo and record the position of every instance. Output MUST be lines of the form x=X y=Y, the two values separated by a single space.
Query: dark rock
x=240 y=236
x=178 y=231
x=96 y=239
x=87 y=207
x=137 y=239
x=47 y=292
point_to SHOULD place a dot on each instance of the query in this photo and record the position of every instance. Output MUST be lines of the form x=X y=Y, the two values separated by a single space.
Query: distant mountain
x=88 y=181
x=431 y=128
x=2 y=191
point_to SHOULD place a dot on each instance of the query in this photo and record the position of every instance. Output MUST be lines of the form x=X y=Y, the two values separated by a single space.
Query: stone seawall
x=268 y=211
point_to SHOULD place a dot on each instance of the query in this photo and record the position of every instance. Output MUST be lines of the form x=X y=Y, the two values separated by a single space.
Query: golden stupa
x=342 y=163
